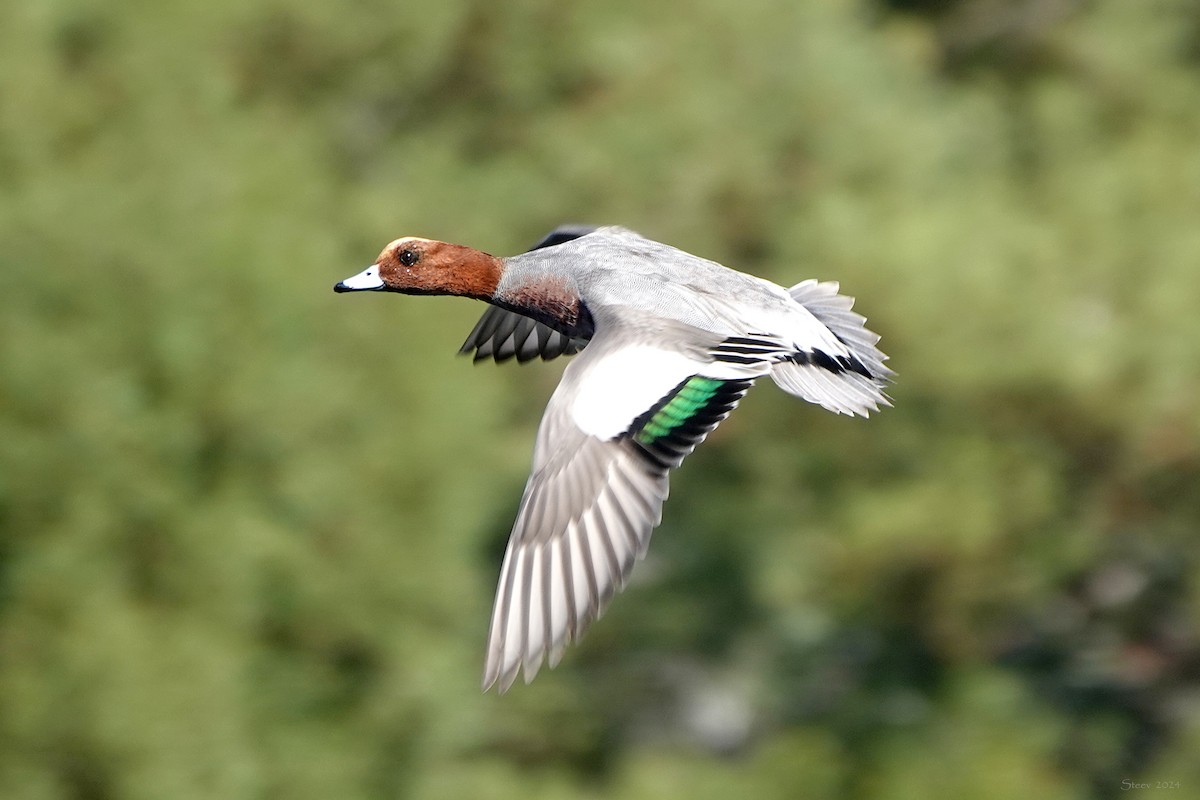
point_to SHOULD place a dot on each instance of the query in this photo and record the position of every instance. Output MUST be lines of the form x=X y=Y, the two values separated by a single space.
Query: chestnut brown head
x=422 y=266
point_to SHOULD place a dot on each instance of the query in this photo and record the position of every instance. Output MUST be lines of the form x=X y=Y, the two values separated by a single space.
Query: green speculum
x=692 y=397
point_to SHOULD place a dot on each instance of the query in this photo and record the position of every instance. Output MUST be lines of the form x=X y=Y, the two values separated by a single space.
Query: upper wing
x=501 y=334
x=563 y=233
x=596 y=492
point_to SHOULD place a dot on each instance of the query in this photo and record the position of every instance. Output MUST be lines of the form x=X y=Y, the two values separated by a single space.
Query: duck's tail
x=852 y=385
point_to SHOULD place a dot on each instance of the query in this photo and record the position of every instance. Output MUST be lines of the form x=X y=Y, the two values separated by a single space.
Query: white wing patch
x=622 y=384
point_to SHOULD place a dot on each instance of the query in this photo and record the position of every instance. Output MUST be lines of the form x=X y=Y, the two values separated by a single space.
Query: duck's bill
x=365 y=281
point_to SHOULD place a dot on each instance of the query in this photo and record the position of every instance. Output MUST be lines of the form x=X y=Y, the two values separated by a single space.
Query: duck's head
x=422 y=266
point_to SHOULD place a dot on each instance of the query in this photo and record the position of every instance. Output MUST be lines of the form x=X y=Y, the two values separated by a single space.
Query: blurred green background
x=249 y=530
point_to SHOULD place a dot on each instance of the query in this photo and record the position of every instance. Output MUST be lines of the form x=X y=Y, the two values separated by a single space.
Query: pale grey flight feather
x=585 y=518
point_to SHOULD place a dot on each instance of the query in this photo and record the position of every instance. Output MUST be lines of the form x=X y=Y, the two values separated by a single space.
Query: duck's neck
x=477 y=275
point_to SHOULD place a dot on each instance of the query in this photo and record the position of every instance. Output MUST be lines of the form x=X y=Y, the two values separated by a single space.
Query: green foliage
x=249 y=530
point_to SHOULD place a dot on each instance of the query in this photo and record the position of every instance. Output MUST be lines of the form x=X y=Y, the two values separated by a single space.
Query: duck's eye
x=409 y=257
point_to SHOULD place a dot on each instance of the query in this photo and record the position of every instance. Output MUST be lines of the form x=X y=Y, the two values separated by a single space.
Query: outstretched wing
x=595 y=494
x=502 y=335
x=563 y=233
